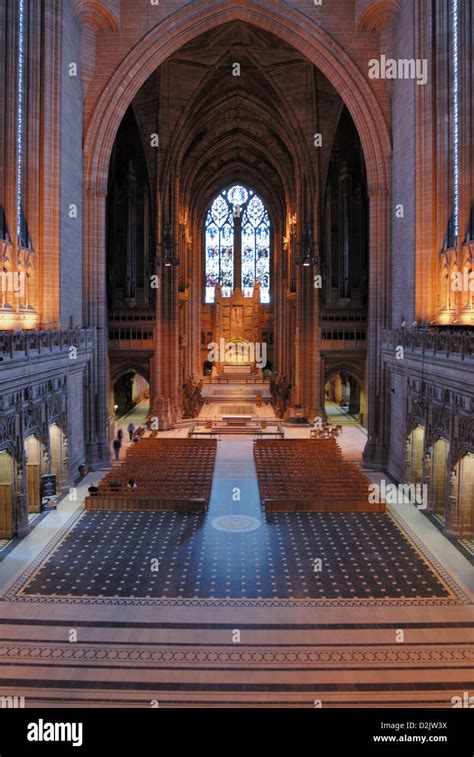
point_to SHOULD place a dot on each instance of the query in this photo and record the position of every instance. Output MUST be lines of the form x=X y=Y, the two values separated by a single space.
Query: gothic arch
x=292 y=25
x=321 y=49
x=435 y=435
x=121 y=370
x=351 y=369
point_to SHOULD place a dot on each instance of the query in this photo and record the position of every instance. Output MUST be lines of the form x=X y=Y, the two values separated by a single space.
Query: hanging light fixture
x=167 y=248
x=308 y=247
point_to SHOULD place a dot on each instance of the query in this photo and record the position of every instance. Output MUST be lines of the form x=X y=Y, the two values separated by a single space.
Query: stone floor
x=387 y=621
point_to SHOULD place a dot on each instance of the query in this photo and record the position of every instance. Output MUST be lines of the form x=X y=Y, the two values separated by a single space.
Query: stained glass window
x=219 y=248
x=256 y=248
x=255 y=243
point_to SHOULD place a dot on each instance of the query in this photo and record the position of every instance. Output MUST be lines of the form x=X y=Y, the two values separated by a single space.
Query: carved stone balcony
x=444 y=344
x=21 y=345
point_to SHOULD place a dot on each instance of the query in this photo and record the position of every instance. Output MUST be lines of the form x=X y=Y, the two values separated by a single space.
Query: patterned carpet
x=288 y=556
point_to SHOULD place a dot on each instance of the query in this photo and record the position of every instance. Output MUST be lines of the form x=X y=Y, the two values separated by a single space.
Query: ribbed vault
x=255 y=127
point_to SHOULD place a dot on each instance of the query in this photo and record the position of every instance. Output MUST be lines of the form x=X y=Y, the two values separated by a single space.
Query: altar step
x=232 y=426
x=235 y=393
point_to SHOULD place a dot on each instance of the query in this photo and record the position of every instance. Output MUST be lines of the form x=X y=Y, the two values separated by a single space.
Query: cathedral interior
x=236 y=353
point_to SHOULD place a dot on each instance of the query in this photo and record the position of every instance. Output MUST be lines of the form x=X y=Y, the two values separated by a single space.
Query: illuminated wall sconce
x=167 y=249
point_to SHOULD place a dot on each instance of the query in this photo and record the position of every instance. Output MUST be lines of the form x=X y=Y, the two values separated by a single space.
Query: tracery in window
x=233 y=209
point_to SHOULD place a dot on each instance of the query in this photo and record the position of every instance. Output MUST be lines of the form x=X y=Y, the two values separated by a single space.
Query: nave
x=236 y=614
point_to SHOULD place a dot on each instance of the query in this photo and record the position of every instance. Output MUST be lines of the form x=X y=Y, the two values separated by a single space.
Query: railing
x=333 y=318
x=17 y=345
x=130 y=316
x=240 y=379
x=424 y=341
x=338 y=337
x=131 y=338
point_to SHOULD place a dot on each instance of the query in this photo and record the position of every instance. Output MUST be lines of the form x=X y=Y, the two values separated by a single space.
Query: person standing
x=131 y=429
x=120 y=435
x=117 y=444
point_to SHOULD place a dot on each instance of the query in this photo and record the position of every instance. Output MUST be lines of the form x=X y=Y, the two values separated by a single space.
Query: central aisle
x=235 y=485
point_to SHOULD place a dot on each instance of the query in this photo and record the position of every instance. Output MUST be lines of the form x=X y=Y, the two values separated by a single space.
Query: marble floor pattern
x=192 y=646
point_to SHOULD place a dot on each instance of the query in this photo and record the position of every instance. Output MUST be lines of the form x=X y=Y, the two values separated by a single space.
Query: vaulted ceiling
x=215 y=127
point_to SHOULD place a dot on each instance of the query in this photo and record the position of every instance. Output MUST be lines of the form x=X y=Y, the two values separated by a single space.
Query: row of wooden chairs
x=307 y=471
x=164 y=469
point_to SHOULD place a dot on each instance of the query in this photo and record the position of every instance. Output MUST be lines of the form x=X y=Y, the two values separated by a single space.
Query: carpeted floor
x=302 y=555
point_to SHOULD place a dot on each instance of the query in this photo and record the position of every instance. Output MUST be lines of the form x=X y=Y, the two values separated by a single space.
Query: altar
x=230 y=370
x=237 y=326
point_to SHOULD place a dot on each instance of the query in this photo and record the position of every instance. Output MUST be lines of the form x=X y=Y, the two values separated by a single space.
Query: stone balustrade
x=18 y=345
x=444 y=343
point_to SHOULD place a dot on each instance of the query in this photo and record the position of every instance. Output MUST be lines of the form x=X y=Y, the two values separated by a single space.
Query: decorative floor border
x=459 y=596
x=161 y=653
x=465 y=546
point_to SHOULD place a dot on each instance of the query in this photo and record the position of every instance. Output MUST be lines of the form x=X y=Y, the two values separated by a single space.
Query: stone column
x=452 y=526
x=408 y=473
x=50 y=157
x=375 y=452
x=8 y=138
x=280 y=283
x=321 y=413
x=95 y=287
x=354 y=397
x=196 y=257
x=296 y=394
x=429 y=479
x=21 y=525
x=167 y=321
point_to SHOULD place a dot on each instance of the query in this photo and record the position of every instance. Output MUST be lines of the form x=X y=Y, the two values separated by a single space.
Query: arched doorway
x=131 y=394
x=345 y=398
x=34 y=470
x=437 y=490
x=414 y=456
x=58 y=454
x=464 y=492
x=6 y=495
x=131 y=389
